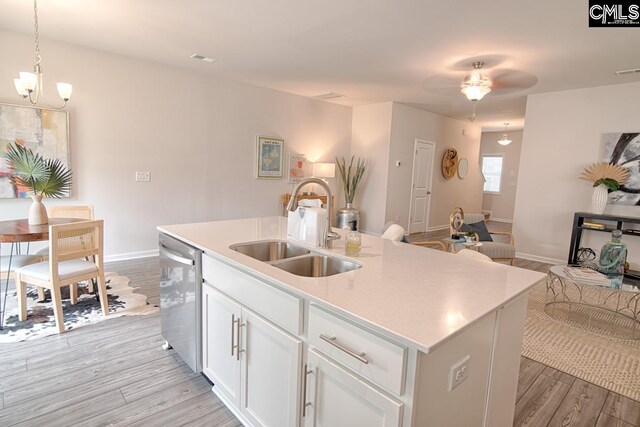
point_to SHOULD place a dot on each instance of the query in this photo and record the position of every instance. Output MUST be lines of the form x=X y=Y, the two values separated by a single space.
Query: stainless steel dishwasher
x=181 y=299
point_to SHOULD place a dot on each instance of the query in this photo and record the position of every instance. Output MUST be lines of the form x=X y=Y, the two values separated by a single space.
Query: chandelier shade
x=505 y=138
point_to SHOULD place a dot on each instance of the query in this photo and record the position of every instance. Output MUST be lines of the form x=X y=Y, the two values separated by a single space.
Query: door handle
x=428 y=192
x=238 y=347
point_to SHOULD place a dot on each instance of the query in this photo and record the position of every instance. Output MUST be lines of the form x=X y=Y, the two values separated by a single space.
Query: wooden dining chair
x=67 y=211
x=75 y=254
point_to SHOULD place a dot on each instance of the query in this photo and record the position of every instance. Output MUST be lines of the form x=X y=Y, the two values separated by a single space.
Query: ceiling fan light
x=475 y=92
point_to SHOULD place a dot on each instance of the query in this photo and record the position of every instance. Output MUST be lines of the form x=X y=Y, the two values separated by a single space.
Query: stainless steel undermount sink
x=269 y=250
x=295 y=259
x=317 y=266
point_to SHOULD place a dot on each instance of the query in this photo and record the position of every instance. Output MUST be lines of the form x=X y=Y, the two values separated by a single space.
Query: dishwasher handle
x=174 y=256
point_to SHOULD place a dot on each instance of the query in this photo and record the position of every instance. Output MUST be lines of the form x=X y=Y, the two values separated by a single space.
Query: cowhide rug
x=40 y=321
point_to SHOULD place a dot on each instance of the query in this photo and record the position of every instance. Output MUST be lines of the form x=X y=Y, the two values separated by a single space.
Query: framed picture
x=270 y=158
x=297 y=168
x=44 y=131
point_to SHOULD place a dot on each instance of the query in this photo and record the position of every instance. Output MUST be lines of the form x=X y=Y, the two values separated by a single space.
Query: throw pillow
x=480 y=228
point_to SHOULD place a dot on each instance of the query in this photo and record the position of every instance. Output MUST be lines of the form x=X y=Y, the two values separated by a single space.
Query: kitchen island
x=414 y=337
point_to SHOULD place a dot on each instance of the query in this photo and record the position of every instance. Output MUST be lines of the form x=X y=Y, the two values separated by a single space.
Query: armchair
x=497 y=251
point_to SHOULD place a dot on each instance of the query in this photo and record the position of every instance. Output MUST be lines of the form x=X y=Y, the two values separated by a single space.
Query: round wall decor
x=463 y=167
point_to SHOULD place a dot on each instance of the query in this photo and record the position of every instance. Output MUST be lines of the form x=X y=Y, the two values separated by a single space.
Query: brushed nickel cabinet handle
x=238 y=346
x=334 y=342
x=304 y=390
x=233 y=325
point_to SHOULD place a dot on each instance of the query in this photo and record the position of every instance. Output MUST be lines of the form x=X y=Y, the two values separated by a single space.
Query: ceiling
x=414 y=52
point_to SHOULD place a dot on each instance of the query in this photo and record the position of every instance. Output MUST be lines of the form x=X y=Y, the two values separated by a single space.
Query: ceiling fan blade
x=506 y=81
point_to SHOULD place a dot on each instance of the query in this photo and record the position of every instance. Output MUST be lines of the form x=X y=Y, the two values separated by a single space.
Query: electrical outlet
x=143 y=176
x=459 y=373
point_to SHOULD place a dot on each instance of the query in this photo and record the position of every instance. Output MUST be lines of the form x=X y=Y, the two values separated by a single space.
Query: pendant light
x=29 y=85
x=504 y=140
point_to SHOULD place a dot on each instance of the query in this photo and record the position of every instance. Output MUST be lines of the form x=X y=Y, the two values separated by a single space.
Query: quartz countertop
x=419 y=296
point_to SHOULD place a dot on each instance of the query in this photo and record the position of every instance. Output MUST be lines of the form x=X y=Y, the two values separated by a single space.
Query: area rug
x=40 y=321
x=601 y=359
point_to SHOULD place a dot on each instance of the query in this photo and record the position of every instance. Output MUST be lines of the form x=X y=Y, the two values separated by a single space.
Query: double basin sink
x=295 y=259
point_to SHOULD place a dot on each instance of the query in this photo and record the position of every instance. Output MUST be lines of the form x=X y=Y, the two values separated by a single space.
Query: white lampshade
x=19 y=84
x=324 y=170
x=64 y=90
x=504 y=140
x=29 y=80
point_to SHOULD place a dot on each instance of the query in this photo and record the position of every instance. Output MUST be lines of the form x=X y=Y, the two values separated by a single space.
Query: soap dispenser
x=352 y=240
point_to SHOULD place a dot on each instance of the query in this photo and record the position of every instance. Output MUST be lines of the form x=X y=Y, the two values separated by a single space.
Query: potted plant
x=351 y=177
x=43 y=177
x=605 y=177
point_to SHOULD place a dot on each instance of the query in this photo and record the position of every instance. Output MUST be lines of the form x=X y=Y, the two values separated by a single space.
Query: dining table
x=16 y=232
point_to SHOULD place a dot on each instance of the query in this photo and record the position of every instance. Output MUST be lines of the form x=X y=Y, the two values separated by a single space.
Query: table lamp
x=324 y=171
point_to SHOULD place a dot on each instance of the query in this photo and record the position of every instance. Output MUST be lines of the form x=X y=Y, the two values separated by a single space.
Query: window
x=492 y=171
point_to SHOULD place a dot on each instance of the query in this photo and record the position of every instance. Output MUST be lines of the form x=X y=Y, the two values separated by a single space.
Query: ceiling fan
x=472 y=79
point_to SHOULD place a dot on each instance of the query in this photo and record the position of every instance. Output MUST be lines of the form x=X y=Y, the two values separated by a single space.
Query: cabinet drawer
x=383 y=361
x=279 y=307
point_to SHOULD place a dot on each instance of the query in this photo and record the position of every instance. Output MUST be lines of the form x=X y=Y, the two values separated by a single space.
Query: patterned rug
x=589 y=353
x=40 y=321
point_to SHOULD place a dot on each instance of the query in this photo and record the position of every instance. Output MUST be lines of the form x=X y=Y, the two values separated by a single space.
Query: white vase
x=599 y=199
x=37 y=212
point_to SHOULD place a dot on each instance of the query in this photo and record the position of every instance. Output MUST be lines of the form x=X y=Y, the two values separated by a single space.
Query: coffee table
x=602 y=310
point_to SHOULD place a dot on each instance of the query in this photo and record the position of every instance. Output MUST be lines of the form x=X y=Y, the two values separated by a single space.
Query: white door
x=270 y=373
x=220 y=320
x=421 y=186
x=338 y=399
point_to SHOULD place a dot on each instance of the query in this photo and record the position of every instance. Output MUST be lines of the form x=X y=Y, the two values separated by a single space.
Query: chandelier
x=29 y=85
x=504 y=140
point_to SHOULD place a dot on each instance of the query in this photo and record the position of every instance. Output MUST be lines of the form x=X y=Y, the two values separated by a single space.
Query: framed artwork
x=270 y=158
x=44 y=131
x=623 y=149
x=297 y=168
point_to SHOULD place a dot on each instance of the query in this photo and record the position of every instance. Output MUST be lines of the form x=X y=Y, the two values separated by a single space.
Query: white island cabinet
x=414 y=338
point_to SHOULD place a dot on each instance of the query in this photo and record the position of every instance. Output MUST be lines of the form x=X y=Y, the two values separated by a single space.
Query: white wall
x=386 y=133
x=195 y=133
x=562 y=136
x=370 y=140
x=409 y=124
x=502 y=205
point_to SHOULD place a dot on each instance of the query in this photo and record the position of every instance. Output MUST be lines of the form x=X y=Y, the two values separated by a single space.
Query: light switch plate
x=143 y=176
x=459 y=372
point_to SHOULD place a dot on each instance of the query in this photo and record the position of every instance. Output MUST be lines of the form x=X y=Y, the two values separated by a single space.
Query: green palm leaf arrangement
x=351 y=176
x=45 y=177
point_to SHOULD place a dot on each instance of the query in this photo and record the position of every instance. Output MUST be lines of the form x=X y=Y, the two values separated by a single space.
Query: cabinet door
x=219 y=335
x=270 y=373
x=337 y=399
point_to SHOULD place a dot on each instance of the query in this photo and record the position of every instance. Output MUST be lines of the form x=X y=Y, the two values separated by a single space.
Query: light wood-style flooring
x=115 y=373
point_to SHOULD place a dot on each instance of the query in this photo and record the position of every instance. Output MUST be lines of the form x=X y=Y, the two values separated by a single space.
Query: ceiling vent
x=627 y=72
x=329 y=95
x=203 y=58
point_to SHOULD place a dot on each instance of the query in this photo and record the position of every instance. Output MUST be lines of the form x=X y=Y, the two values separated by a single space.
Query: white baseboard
x=438 y=228
x=131 y=255
x=510 y=221
x=540 y=258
